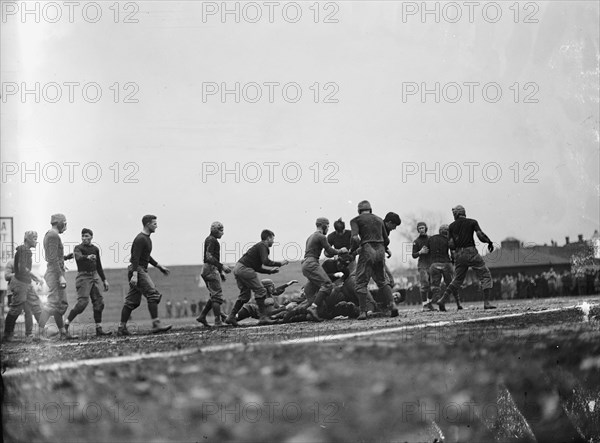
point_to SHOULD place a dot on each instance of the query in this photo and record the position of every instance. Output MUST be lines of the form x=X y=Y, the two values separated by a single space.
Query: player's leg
x=364 y=270
x=98 y=308
x=17 y=302
x=316 y=275
x=485 y=278
x=461 y=268
x=435 y=273
x=153 y=297
x=132 y=301
x=382 y=281
x=242 y=274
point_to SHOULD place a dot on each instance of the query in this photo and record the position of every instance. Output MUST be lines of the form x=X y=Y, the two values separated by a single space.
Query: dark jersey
x=141 y=249
x=462 y=230
x=256 y=257
x=370 y=229
x=81 y=253
x=333 y=266
x=438 y=249
x=315 y=245
x=212 y=252
x=339 y=241
x=23 y=264
x=419 y=242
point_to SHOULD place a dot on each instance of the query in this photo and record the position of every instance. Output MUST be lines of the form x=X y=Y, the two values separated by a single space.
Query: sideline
x=15 y=372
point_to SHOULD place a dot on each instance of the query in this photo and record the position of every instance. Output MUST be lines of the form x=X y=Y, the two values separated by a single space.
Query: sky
x=337 y=102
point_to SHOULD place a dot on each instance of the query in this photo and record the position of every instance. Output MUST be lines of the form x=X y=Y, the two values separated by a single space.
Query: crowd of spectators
x=585 y=281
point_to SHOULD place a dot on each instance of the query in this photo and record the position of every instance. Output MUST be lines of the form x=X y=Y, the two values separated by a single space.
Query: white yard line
x=240 y=346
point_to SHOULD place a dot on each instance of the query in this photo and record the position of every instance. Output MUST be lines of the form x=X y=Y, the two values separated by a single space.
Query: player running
x=140 y=282
x=245 y=273
x=461 y=239
x=89 y=268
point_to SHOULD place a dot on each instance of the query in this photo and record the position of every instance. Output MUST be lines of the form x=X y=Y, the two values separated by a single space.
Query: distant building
x=515 y=257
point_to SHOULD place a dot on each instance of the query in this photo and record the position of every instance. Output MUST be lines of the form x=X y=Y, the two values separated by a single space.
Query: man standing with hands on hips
x=140 y=282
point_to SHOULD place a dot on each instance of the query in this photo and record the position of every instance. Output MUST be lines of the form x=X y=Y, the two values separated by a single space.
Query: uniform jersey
x=257 y=256
x=316 y=243
x=84 y=264
x=370 y=229
x=420 y=241
x=438 y=249
x=141 y=248
x=339 y=241
x=462 y=230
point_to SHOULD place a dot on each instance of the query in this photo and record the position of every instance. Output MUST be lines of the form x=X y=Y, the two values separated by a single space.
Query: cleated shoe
x=101 y=333
x=157 y=327
x=362 y=316
x=442 y=307
x=488 y=306
x=459 y=307
x=312 y=314
x=122 y=331
x=394 y=313
x=202 y=319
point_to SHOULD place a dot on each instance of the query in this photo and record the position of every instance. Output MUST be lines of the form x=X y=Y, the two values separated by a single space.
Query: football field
x=527 y=371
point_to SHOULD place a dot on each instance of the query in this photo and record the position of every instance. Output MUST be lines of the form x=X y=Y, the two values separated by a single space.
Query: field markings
x=241 y=346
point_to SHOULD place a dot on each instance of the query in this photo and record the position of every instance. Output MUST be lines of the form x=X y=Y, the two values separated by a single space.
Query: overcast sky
x=524 y=163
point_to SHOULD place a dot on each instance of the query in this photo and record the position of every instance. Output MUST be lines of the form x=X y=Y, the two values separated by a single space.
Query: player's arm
x=9 y=272
x=355 y=237
x=265 y=261
x=330 y=251
x=386 y=237
x=100 y=269
x=136 y=253
x=51 y=250
x=483 y=238
x=416 y=251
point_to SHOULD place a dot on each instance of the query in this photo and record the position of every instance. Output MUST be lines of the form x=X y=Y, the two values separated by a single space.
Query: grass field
x=529 y=371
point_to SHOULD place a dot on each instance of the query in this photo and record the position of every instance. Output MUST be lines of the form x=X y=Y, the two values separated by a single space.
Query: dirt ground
x=528 y=371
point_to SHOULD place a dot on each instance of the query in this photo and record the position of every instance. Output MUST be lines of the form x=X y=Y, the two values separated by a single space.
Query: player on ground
x=250 y=310
x=245 y=273
x=23 y=293
x=140 y=282
x=421 y=252
x=369 y=233
x=213 y=272
x=56 y=304
x=89 y=268
x=461 y=239
x=441 y=264
x=311 y=268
